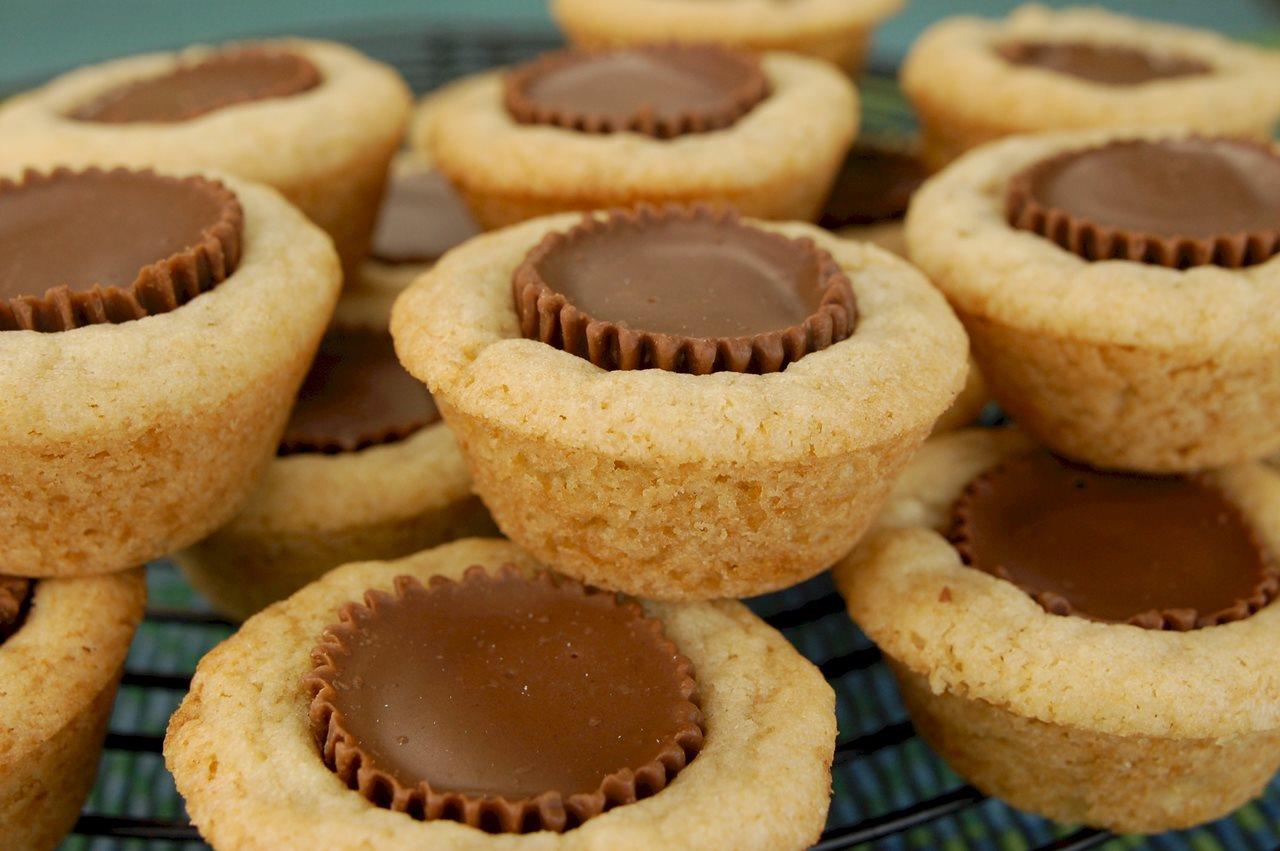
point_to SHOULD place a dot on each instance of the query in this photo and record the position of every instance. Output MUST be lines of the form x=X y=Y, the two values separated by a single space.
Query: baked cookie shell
x=776 y=162
x=966 y=93
x=762 y=753
x=589 y=468
x=132 y=440
x=1163 y=729
x=60 y=672
x=833 y=30
x=1118 y=364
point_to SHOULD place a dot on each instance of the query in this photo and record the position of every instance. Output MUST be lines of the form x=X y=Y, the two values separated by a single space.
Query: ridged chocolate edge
x=306 y=77
x=1177 y=620
x=330 y=445
x=548 y=811
x=1095 y=241
x=750 y=91
x=15 y=592
x=159 y=288
x=549 y=317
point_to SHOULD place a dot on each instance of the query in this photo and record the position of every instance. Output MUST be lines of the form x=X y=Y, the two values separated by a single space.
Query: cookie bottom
x=1128 y=784
x=678 y=531
x=798 y=197
x=241 y=572
x=41 y=799
x=1130 y=408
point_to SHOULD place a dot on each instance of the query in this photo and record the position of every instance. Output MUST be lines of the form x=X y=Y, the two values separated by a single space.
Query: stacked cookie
x=667 y=389
x=1080 y=612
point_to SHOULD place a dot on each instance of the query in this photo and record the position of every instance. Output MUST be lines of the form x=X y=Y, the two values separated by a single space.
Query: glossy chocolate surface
x=1113 y=546
x=356 y=395
x=1105 y=64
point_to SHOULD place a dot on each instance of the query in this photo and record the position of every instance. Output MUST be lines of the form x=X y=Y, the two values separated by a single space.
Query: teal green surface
x=41 y=37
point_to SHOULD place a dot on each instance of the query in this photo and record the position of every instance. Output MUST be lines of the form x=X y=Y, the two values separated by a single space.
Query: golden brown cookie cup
x=677 y=486
x=776 y=162
x=1105 y=724
x=1115 y=363
x=768 y=715
x=124 y=442
x=58 y=679
x=326 y=149
x=966 y=94
x=313 y=511
x=833 y=30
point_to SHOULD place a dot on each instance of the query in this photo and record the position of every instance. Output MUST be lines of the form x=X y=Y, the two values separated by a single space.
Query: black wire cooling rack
x=889 y=791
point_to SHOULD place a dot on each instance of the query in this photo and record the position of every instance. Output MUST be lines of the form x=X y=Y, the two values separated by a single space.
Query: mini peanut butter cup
x=1168 y=202
x=87 y=247
x=1106 y=64
x=509 y=704
x=691 y=290
x=15 y=592
x=1159 y=552
x=356 y=395
x=875 y=184
x=663 y=91
x=189 y=91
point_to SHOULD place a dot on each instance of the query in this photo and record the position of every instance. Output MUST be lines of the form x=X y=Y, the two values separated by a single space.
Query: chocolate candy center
x=1107 y=64
x=1111 y=546
x=694 y=277
x=14 y=594
x=356 y=395
x=98 y=228
x=422 y=217
x=875 y=184
x=1195 y=188
x=189 y=91
x=506 y=687
x=660 y=90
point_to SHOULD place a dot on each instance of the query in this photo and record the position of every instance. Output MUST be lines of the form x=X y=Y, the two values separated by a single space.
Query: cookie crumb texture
x=72 y=647
x=1167 y=784
x=668 y=530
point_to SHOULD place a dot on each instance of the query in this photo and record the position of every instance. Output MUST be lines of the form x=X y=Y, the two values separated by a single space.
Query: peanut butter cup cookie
x=365 y=469
x=584 y=130
x=62 y=649
x=835 y=30
x=153 y=330
x=589 y=721
x=677 y=403
x=422 y=217
x=1094 y=647
x=1122 y=293
x=973 y=80
x=315 y=120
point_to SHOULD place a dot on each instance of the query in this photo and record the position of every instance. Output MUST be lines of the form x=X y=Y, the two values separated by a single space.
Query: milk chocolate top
x=875 y=184
x=508 y=703
x=356 y=395
x=14 y=595
x=1106 y=64
x=191 y=90
x=689 y=290
x=1157 y=552
x=1174 y=202
x=78 y=248
x=659 y=90
x=422 y=217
